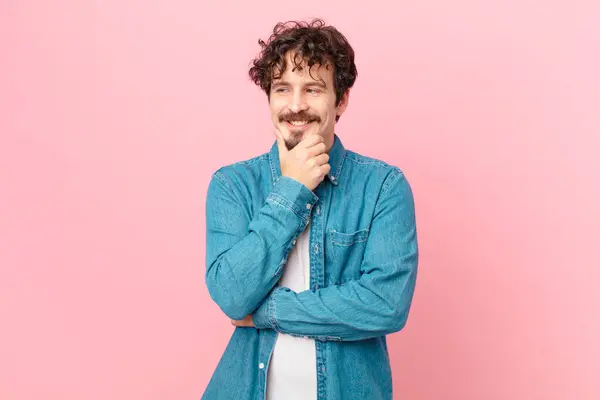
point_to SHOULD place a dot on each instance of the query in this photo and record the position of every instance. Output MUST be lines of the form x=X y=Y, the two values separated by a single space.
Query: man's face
x=303 y=103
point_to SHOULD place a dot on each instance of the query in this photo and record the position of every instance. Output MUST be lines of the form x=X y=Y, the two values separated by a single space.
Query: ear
x=343 y=104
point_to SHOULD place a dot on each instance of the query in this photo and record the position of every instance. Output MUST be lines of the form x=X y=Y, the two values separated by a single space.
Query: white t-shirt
x=292 y=372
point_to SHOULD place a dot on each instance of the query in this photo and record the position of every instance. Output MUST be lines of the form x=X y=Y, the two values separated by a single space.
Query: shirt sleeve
x=377 y=303
x=245 y=257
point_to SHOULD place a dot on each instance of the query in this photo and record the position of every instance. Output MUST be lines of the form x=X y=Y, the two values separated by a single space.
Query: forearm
x=354 y=310
x=378 y=301
x=245 y=259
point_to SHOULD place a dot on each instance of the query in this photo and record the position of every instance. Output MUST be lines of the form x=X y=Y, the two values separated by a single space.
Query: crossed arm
x=245 y=259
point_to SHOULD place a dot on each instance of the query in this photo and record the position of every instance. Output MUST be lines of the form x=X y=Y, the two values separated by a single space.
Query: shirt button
x=316 y=248
x=261 y=366
x=318 y=210
x=308 y=206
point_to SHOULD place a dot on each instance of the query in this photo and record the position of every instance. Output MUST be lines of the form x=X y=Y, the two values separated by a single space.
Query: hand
x=246 y=322
x=307 y=162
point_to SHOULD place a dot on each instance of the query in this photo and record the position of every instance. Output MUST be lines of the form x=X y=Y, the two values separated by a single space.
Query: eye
x=313 y=91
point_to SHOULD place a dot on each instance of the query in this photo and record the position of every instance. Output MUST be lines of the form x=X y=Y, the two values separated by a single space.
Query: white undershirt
x=292 y=372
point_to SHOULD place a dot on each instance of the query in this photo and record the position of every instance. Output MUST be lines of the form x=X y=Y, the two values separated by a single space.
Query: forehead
x=298 y=70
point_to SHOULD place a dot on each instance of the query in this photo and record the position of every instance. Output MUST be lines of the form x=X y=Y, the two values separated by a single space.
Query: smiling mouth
x=299 y=123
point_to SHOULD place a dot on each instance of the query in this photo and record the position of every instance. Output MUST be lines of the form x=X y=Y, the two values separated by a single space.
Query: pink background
x=114 y=114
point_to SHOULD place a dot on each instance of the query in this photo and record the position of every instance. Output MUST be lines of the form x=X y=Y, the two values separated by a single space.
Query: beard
x=293 y=140
x=296 y=137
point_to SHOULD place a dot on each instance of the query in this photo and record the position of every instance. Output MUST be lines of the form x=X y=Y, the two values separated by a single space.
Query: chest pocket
x=348 y=248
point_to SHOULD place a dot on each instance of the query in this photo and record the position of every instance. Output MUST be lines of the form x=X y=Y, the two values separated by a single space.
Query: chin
x=292 y=140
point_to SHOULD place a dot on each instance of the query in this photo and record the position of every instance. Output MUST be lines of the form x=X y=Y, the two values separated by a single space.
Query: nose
x=298 y=103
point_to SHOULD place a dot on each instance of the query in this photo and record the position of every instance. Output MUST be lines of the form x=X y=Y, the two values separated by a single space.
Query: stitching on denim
x=222 y=181
x=272 y=168
x=341 y=165
x=284 y=202
x=274 y=319
x=363 y=237
x=251 y=160
x=391 y=178
x=364 y=160
x=275 y=199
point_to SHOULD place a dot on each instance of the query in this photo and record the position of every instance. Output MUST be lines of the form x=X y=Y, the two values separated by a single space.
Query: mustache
x=301 y=116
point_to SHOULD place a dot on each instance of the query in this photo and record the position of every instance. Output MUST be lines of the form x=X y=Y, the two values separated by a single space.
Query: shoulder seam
x=251 y=160
x=220 y=179
x=394 y=174
x=365 y=160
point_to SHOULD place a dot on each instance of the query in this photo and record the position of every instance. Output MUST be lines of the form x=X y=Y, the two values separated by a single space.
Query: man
x=311 y=248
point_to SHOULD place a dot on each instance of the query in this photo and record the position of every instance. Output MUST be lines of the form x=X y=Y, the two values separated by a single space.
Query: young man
x=311 y=248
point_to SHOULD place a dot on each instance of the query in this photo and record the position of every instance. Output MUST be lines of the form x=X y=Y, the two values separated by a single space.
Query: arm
x=378 y=302
x=244 y=257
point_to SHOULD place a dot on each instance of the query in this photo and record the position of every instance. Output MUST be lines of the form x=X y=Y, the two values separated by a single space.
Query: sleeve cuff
x=261 y=318
x=264 y=316
x=293 y=195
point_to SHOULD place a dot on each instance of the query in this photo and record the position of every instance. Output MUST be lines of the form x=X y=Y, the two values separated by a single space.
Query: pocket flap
x=348 y=239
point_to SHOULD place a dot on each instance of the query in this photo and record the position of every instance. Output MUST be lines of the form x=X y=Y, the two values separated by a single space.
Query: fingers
x=246 y=322
x=317 y=149
x=324 y=170
x=314 y=145
x=319 y=160
x=311 y=140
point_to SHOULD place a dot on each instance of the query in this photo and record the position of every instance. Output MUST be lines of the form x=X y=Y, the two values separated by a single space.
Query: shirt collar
x=337 y=155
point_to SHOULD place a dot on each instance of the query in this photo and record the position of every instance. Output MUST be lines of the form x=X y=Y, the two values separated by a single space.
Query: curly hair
x=311 y=42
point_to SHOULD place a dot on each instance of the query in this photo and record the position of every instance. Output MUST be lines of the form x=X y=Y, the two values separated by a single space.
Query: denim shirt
x=363 y=268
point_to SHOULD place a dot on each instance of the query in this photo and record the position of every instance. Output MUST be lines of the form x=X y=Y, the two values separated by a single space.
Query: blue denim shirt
x=363 y=268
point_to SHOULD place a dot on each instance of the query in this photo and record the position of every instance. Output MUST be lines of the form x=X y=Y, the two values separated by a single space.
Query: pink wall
x=113 y=116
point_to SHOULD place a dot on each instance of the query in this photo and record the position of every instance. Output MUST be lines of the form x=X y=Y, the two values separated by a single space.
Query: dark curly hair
x=311 y=42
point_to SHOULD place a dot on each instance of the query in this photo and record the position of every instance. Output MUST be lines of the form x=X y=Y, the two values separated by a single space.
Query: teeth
x=299 y=123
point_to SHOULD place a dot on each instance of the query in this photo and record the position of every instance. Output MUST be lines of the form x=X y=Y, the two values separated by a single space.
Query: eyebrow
x=284 y=83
